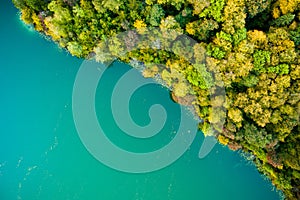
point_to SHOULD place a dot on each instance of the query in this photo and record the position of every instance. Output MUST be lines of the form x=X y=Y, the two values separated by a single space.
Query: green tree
x=156 y=14
x=261 y=60
x=284 y=20
x=214 y=10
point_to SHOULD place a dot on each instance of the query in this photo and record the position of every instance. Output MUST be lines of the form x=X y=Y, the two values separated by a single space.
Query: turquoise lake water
x=42 y=157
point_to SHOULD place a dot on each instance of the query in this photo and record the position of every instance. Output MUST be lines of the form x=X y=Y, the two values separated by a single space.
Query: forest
x=249 y=48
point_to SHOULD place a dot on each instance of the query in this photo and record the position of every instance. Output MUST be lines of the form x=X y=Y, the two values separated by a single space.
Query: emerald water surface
x=42 y=157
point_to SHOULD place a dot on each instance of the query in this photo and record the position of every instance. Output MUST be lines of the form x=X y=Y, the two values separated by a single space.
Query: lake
x=42 y=156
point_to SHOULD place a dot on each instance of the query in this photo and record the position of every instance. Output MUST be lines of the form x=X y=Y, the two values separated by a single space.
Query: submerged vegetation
x=249 y=47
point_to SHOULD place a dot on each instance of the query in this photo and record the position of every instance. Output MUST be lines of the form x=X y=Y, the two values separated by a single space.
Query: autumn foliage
x=248 y=47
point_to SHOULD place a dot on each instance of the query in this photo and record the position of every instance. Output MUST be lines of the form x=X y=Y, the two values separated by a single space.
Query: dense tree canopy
x=250 y=47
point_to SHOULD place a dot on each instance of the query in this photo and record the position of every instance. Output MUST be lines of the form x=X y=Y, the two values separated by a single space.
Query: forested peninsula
x=251 y=50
